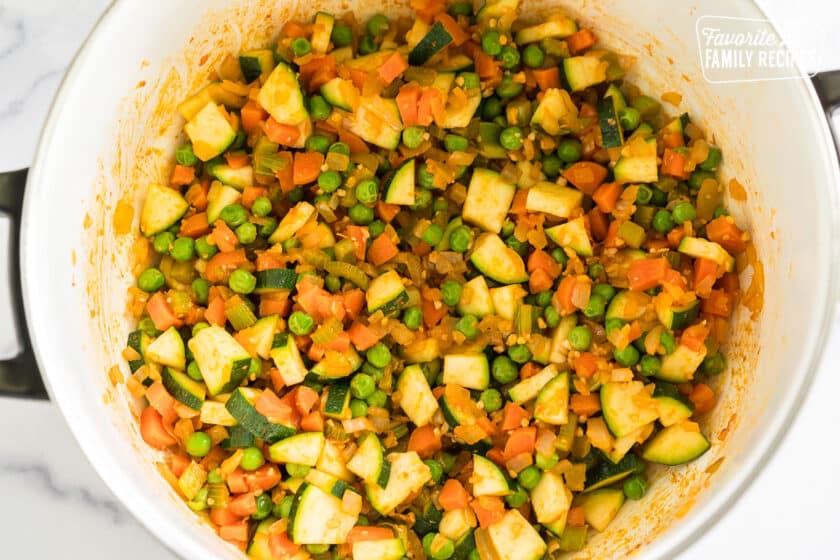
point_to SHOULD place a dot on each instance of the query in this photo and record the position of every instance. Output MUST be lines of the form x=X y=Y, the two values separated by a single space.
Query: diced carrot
x=606 y=196
x=353 y=301
x=339 y=343
x=674 y=278
x=161 y=312
x=243 y=505
x=196 y=196
x=598 y=224
x=519 y=205
x=675 y=236
x=487 y=425
x=706 y=273
x=264 y=478
x=694 y=337
x=382 y=250
x=453 y=495
x=293 y=29
x=215 y=313
x=152 y=430
x=224 y=237
x=673 y=163
x=178 y=463
x=673 y=139
x=514 y=417
x=540 y=281
x=497 y=455
x=195 y=226
x=252 y=193
x=305 y=399
x=271 y=406
x=459 y=36
x=407 y=100
x=718 y=303
x=387 y=212
x=585 y=405
x=160 y=399
x=547 y=78
x=275 y=304
x=575 y=517
x=586 y=175
x=529 y=369
x=488 y=510
x=281 y=547
x=362 y=336
x=730 y=284
x=428 y=9
x=645 y=274
x=580 y=41
x=361 y=533
x=237 y=482
x=182 y=175
x=429 y=106
x=521 y=440
x=357 y=76
x=307 y=167
x=223 y=517
x=237 y=160
x=586 y=364
x=611 y=240
x=236 y=533
x=433 y=311
x=486 y=66
x=392 y=68
x=563 y=295
x=268 y=260
x=540 y=259
x=703 y=398
x=279 y=133
x=727 y=234
x=425 y=440
x=359 y=235
x=251 y=115
x=355 y=143
x=286 y=174
x=312 y=422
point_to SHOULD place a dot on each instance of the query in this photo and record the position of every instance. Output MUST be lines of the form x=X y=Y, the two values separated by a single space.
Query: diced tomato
x=453 y=495
x=673 y=163
x=586 y=175
x=355 y=143
x=312 y=422
x=586 y=364
x=581 y=41
x=251 y=115
x=178 y=463
x=387 y=212
x=718 y=303
x=488 y=510
x=392 y=68
x=264 y=478
x=306 y=398
x=727 y=234
x=407 y=100
x=243 y=505
x=196 y=196
x=382 y=250
x=353 y=301
x=307 y=167
x=252 y=193
x=281 y=547
x=514 y=417
x=644 y=274
x=224 y=237
x=694 y=337
x=286 y=173
x=703 y=398
x=563 y=295
x=362 y=336
x=161 y=312
x=182 y=175
x=195 y=226
x=576 y=518
x=521 y=440
x=706 y=273
x=361 y=533
x=223 y=517
x=152 y=430
x=585 y=405
x=547 y=78
x=606 y=196
x=236 y=533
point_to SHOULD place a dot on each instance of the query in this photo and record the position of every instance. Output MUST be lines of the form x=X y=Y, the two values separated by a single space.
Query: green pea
x=455 y=143
x=596 y=271
x=151 y=280
x=529 y=477
x=518 y=498
x=377 y=24
x=435 y=468
x=695 y=180
x=264 y=507
x=461 y=9
x=649 y=365
x=491 y=108
x=713 y=364
x=201 y=290
x=509 y=88
x=647 y=106
x=183 y=249
x=332 y=283
x=468 y=326
x=185 y=155
x=580 y=338
x=635 y=487
x=194 y=372
x=662 y=221
x=460 y=239
x=261 y=207
x=504 y=370
x=659 y=198
x=595 y=307
x=544 y=298
x=319 y=108
x=507 y=228
x=450 y=292
x=234 y=215
x=246 y=233
x=570 y=150
x=316 y=143
x=720 y=211
x=199 y=502
x=301 y=323
x=376 y=228
x=413 y=136
x=367 y=45
x=252 y=459
x=490 y=42
x=360 y=214
x=378 y=399
x=362 y=386
x=329 y=181
x=358 y=408
x=668 y=342
x=422 y=199
x=509 y=57
x=424 y=178
x=712 y=160
x=297 y=471
x=301 y=46
x=560 y=256
x=439 y=547
x=199 y=444
x=551 y=316
x=547 y=462
x=606 y=291
x=519 y=353
x=491 y=399
x=342 y=35
x=163 y=241
x=433 y=234
x=511 y=138
x=630 y=118
x=367 y=191
x=533 y=56
x=628 y=357
x=684 y=212
x=551 y=165
x=290 y=243
x=242 y=282
x=268 y=227
x=283 y=508
x=644 y=194
x=440 y=205
x=412 y=318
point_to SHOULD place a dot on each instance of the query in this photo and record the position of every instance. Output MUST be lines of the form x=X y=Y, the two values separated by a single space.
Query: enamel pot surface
x=113 y=130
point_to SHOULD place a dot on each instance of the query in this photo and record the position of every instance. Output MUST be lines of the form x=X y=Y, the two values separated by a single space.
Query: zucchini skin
x=435 y=40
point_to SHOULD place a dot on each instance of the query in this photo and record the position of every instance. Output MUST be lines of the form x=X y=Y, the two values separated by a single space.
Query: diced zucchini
x=384 y=549
x=377 y=121
x=573 y=235
x=241 y=406
x=559 y=339
x=336 y=403
x=551 y=500
x=601 y=506
x=256 y=63
x=214 y=412
x=607 y=473
x=618 y=98
x=210 y=132
x=341 y=93
x=704 y=249
x=301 y=449
x=321 y=31
x=488 y=141
x=238 y=178
x=496 y=260
x=571 y=539
x=633 y=167
x=369 y=463
x=318 y=518
x=488 y=200
x=553 y=199
x=672 y=405
x=628 y=305
x=238 y=437
x=386 y=292
x=162 y=209
x=332 y=462
x=584 y=71
x=223 y=362
x=421 y=351
x=258 y=339
x=218 y=198
x=627 y=407
x=611 y=133
x=185 y=390
x=167 y=350
x=552 y=405
x=467 y=370
x=506 y=299
x=294 y=219
x=459 y=115
x=512 y=538
x=487 y=478
x=457 y=406
x=530 y=388
x=281 y=96
x=275 y=280
x=416 y=398
x=336 y=364
x=434 y=41
x=138 y=341
x=679 y=317
x=679 y=366
x=259 y=548
x=286 y=356
x=408 y=475
x=503 y=11
x=457 y=523
x=475 y=298
x=624 y=444
x=558 y=27
x=399 y=187
x=555 y=113
x=676 y=444
x=214 y=92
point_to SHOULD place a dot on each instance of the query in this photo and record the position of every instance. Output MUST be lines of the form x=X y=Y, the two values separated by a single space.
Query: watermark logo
x=746 y=50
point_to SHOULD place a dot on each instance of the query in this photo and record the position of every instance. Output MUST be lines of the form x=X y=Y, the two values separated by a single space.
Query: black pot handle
x=19 y=376
x=827 y=85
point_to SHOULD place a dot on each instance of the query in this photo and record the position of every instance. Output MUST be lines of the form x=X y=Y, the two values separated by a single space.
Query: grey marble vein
x=16 y=105
x=17 y=34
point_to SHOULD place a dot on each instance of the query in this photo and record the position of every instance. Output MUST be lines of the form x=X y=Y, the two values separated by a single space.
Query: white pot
x=112 y=131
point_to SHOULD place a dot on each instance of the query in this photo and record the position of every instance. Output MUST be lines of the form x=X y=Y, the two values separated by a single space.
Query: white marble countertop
x=46 y=482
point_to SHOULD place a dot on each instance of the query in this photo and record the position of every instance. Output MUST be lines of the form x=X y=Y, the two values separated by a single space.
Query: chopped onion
x=545 y=443
x=580 y=294
x=357 y=425
x=519 y=462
